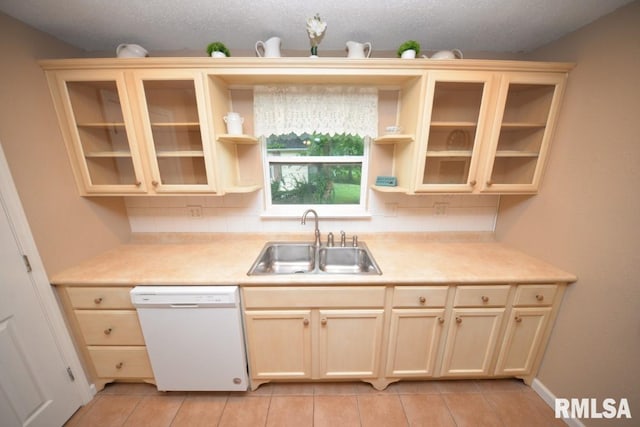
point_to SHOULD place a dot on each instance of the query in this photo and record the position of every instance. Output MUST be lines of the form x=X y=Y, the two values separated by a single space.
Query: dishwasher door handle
x=184 y=305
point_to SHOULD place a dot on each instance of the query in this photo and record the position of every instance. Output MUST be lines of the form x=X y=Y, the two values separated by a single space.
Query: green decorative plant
x=218 y=47
x=409 y=44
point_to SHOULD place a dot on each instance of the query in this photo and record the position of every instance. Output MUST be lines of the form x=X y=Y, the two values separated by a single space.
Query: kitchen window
x=316 y=142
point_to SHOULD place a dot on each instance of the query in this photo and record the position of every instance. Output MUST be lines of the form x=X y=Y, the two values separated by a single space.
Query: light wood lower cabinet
x=528 y=327
x=414 y=340
x=279 y=343
x=336 y=334
x=349 y=343
x=108 y=333
x=417 y=322
x=471 y=341
x=522 y=339
x=378 y=334
x=382 y=334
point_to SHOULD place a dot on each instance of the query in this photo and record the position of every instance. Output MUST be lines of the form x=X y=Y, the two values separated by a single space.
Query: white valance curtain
x=323 y=109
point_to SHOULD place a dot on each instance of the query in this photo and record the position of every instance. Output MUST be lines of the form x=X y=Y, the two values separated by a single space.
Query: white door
x=35 y=387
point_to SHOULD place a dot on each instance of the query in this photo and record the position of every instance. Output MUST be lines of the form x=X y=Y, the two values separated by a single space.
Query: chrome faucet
x=317 y=230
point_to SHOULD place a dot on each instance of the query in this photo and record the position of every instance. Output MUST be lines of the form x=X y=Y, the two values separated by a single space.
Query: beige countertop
x=214 y=259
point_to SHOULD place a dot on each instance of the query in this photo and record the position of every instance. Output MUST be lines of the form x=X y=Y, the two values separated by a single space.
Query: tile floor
x=434 y=403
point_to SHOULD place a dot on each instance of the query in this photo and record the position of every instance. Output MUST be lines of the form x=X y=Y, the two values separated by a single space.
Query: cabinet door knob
x=422 y=300
x=518 y=319
x=458 y=319
x=138 y=183
x=472 y=183
x=539 y=297
x=97 y=300
x=108 y=331
x=323 y=321
x=485 y=298
x=489 y=183
x=305 y=322
x=155 y=183
x=440 y=320
x=119 y=365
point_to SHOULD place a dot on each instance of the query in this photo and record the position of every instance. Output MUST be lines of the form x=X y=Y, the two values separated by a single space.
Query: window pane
x=315 y=183
x=315 y=145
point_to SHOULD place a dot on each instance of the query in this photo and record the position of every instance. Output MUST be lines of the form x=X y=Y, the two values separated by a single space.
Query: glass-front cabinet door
x=455 y=115
x=527 y=107
x=174 y=119
x=101 y=132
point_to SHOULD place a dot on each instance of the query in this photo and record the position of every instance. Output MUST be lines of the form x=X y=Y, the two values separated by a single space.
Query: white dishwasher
x=193 y=336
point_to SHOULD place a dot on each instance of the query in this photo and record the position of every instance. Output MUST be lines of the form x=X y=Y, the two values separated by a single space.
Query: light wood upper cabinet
x=456 y=114
x=173 y=119
x=155 y=125
x=517 y=148
x=478 y=132
x=99 y=130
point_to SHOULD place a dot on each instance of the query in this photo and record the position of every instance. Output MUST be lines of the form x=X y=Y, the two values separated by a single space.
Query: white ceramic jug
x=357 y=50
x=234 y=123
x=131 y=51
x=270 y=48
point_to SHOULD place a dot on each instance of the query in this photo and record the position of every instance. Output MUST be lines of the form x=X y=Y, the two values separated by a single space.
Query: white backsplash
x=242 y=213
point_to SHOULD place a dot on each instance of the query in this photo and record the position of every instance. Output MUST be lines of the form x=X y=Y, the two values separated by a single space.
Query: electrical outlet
x=195 y=211
x=440 y=208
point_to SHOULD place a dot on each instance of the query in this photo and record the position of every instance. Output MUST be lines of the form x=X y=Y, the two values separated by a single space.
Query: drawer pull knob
x=422 y=300
x=539 y=297
x=518 y=319
x=485 y=298
x=440 y=320
x=305 y=322
x=119 y=365
x=323 y=321
x=108 y=331
x=98 y=300
x=458 y=319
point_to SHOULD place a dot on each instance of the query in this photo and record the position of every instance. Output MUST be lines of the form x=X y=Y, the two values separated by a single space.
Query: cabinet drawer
x=313 y=296
x=99 y=297
x=481 y=296
x=420 y=296
x=113 y=327
x=121 y=362
x=536 y=295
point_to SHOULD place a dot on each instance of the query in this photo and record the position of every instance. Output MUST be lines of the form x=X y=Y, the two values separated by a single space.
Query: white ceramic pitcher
x=131 y=51
x=358 y=50
x=270 y=48
x=234 y=123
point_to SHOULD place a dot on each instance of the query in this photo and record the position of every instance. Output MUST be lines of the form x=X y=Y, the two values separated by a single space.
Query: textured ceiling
x=473 y=25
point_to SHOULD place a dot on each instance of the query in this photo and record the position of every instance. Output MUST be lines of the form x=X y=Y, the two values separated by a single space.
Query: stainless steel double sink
x=308 y=258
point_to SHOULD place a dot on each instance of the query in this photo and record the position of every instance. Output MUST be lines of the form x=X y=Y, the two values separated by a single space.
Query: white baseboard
x=550 y=398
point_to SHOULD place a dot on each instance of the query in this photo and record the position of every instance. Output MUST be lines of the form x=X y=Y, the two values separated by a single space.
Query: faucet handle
x=355 y=241
x=343 y=238
x=330 y=239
